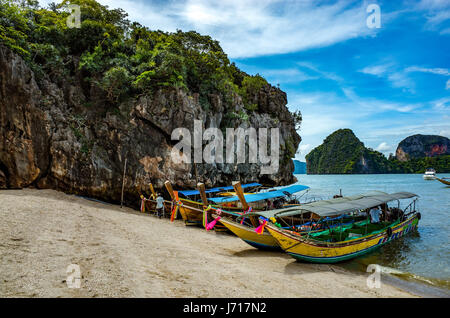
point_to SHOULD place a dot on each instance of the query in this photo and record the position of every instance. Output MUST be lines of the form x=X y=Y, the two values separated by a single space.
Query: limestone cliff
x=54 y=136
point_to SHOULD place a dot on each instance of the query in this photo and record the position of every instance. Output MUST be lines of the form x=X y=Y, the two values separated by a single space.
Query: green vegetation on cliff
x=116 y=58
x=343 y=153
x=339 y=153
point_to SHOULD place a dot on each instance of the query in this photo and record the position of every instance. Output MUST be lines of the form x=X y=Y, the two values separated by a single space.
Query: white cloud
x=254 y=27
x=304 y=149
x=383 y=147
x=290 y=75
x=437 y=12
x=445 y=133
x=389 y=71
x=399 y=77
x=441 y=105
x=377 y=70
x=438 y=71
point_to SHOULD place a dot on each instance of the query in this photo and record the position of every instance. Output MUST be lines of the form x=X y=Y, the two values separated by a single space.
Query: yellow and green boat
x=346 y=241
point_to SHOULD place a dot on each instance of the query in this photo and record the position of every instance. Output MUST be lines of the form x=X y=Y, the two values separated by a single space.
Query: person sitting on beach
x=375 y=215
x=159 y=205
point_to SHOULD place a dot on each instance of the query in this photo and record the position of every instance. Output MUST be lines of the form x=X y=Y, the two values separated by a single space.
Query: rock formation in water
x=421 y=146
x=343 y=153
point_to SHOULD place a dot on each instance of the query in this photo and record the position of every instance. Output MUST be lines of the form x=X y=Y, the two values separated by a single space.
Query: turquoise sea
x=422 y=257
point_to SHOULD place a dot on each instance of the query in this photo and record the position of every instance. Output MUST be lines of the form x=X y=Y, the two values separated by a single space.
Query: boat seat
x=352 y=235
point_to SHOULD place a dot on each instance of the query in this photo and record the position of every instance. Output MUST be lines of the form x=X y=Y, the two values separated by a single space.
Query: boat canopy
x=263 y=195
x=343 y=205
x=218 y=189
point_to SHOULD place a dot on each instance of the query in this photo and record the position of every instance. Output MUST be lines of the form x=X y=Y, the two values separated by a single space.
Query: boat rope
x=244 y=213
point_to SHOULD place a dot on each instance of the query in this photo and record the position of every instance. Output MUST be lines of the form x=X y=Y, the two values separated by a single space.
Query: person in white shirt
x=375 y=215
x=159 y=205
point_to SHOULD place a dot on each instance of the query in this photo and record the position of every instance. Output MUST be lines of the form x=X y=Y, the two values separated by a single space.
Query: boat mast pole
x=238 y=188
x=240 y=193
x=201 y=189
x=152 y=190
x=170 y=189
x=123 y=182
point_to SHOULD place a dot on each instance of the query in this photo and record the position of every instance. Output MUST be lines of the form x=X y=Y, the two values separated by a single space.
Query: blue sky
x=383 y=83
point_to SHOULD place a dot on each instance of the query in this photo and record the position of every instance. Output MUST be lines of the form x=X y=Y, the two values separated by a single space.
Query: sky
x=340 y=68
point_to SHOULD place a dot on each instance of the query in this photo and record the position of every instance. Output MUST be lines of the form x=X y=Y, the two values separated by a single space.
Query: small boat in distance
x=444 y=180
x=430 y=174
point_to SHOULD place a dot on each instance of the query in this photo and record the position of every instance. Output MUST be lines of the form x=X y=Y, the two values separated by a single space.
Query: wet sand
x=125 y=253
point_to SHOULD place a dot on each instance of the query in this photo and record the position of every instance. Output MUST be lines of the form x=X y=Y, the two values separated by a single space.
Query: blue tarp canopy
x=263 y=195
x=219 y=189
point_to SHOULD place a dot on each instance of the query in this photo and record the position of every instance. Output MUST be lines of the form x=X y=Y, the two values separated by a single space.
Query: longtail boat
x=447 y=182
x=346 y=241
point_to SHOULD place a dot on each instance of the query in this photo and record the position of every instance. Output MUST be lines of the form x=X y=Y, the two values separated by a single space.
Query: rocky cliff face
x=421 y=146
x=53 y=136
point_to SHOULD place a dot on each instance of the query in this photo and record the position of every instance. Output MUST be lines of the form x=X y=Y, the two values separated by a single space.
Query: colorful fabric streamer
x=211 y=225
x=205 y=217
x=174 y=213
x=142 y=204
x=260 y=229
x=177 y=205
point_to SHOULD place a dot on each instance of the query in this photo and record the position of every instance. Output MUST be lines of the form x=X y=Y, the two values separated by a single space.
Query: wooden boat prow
x=263 y=241
x=447 y=182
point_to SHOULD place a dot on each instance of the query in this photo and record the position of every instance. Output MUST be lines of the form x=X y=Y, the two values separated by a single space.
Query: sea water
x=422 y=256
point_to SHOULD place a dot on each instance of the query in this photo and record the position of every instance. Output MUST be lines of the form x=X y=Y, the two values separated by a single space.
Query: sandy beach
x=124 y=253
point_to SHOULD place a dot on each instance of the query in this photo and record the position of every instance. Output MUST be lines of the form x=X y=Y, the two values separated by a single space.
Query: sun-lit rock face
x=52 y=138
x=420 y=146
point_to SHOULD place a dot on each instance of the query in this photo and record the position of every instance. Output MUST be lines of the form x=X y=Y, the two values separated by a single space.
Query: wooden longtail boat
x=447 y=182
x=346 y=241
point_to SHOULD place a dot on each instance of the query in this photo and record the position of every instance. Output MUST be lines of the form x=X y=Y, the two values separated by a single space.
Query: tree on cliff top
x=111 y=52
x=339 y=153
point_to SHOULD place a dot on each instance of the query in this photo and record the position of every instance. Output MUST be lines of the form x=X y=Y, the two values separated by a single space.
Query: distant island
x=299 y=167
x=343 y=153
